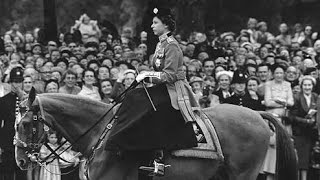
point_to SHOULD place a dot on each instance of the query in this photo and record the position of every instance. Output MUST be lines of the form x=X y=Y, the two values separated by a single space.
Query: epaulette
x=170 y=39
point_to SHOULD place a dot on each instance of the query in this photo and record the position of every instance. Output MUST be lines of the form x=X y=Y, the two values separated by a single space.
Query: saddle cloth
x=211 y=149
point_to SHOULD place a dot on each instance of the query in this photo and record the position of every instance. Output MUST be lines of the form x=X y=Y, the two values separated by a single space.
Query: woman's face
x=89 y=78
x=39 y=63
x=307 y=86
x=252 y=85
x=128 y=80
x=27 y=84
x=103 y=73
x=196 y=87
x=106 y=87
x=158 y=27
x=107 y=62
x=36 y=50
x=114 y=73
x=56 y=75
x=62 y=65
x=52 y=88
x=278 y=74
x=224 y=82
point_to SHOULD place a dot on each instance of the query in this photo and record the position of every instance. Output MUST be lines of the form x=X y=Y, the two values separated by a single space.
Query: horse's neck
x=82 y=132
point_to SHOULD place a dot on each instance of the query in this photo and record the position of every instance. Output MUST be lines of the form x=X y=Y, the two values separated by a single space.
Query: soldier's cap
x=239 y=77
x=16 y=74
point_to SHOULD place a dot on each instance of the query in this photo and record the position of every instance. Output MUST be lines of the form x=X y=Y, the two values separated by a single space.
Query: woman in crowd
x=224 y=79
x=88 y=88
x=278 y=97
x=278 y=94
x=106 y=88
x=303 y=122
x=125 y=79
x=51 y=86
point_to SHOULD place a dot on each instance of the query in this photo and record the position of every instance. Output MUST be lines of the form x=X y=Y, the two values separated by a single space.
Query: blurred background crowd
x=269 y=71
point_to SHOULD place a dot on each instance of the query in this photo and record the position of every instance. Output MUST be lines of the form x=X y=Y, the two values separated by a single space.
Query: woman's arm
x=290 y=100
x=269 y=102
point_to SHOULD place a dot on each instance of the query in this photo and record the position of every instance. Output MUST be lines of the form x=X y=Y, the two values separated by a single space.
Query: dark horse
x=244 y=136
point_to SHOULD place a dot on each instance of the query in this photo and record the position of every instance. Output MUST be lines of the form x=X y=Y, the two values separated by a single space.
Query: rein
x=35 y=146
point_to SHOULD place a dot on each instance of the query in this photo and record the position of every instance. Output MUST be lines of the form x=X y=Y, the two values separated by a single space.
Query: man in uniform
x=240 y=96
x=9 y=110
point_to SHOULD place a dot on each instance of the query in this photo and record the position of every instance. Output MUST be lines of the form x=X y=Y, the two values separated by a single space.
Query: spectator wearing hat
x=36 y=50
x=303 y=121
x=56 y=73
x=9 y=111
x=70 y=87
x=125 y=79
x=223 y=91
x=196 y=84
x=88 y=88
x=240 y=95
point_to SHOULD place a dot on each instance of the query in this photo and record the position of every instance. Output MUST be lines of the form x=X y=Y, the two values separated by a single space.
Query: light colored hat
x=309 y=78
x=228 y=73
x=195 y=79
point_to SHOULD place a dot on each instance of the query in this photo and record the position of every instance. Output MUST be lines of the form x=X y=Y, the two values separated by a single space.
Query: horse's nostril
x=22 y=162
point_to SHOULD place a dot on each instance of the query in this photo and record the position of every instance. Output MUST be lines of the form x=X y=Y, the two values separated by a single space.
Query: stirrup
x=156 y=170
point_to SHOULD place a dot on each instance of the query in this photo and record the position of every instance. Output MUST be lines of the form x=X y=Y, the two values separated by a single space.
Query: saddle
x=208 y=147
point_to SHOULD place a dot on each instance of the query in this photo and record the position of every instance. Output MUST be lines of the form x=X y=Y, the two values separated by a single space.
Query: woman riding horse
x=160 y=122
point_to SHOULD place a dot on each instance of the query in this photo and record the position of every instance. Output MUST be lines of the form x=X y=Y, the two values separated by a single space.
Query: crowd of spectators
x=255 y=68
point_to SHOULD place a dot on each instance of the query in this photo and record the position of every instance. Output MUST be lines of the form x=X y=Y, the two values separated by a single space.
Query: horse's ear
x=32 y=95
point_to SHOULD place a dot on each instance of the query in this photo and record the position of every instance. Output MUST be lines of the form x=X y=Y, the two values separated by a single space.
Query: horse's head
x=30 y=133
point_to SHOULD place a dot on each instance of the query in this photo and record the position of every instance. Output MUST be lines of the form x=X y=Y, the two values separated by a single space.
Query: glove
x=140 y=77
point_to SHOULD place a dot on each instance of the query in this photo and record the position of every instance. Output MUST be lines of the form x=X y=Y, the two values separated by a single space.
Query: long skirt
x=140 y=128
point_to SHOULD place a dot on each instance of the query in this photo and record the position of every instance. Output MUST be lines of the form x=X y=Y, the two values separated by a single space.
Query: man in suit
x=9 y=109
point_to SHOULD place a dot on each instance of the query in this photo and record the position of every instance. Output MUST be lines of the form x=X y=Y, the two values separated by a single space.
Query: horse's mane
x=69 y=98
x=72 y=106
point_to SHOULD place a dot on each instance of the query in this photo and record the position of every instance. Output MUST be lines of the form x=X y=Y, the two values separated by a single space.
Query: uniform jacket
x=299 y=111
x=245 y=100
x=7 y=120
x=168 y=60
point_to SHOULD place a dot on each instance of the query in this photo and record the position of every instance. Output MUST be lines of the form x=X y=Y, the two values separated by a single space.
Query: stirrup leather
x=156 y=170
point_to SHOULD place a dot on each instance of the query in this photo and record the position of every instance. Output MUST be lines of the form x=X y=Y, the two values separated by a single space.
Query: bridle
x=32 y=148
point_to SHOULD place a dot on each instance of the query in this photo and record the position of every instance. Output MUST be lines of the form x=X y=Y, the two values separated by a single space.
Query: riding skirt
x=140 y=127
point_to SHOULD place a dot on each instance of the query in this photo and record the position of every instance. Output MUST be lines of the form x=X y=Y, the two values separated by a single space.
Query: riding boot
x=157 y=167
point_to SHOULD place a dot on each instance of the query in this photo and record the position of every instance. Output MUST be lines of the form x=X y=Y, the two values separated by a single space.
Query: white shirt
x=90 y=93
x=308 y=99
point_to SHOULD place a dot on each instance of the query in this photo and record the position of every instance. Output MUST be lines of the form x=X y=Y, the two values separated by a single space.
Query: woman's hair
x=50 y=81
x=167 y=18
x=253 y=78
x=89 y=69
x=276 y=66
